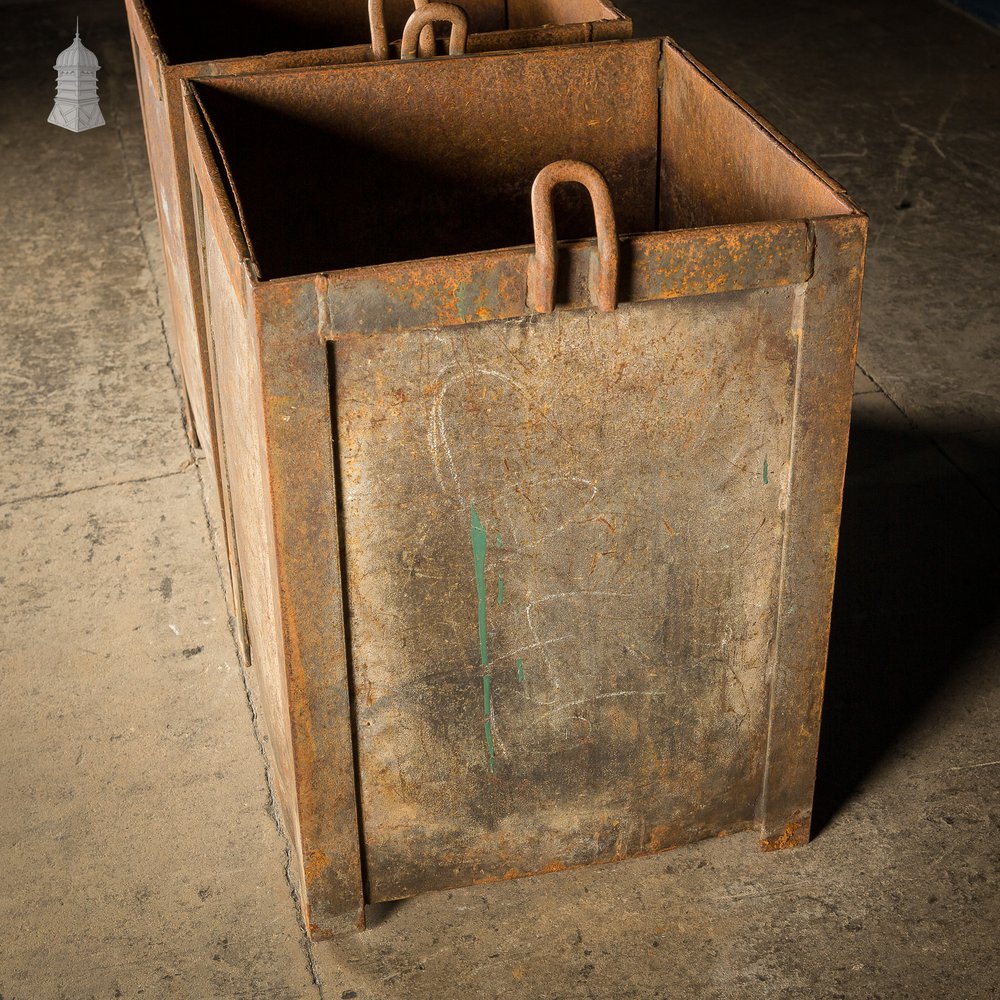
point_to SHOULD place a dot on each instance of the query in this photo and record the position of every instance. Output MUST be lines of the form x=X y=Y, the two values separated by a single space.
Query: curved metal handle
x=427 y=46
x=427 y=15
x=376 y=21
x=542 y=275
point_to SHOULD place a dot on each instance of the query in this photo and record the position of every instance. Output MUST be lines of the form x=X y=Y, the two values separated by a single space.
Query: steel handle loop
x=542 y=275
x=427 y=15
x=376 y=22
x=427 y=47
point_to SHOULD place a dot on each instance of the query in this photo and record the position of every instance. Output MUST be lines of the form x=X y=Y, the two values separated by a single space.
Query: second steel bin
x=175 y=40
x=537 y=540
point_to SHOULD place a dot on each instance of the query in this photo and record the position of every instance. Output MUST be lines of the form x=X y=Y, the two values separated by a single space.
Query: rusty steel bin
x=537 y=540
x=173 y=41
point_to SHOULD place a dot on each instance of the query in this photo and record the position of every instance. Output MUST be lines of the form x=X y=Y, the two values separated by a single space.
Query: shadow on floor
x=918 y=590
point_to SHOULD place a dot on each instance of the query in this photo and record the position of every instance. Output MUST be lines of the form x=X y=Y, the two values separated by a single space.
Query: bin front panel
x=563 y=542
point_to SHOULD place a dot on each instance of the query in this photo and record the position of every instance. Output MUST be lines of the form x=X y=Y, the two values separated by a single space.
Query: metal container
x=537 y=539
x=172 y=42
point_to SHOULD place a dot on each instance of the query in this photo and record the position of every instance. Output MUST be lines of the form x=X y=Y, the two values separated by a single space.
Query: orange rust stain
x=657 y=838
x=316 y=863
x=487 y=880
x=795 y=834
x=669 y=529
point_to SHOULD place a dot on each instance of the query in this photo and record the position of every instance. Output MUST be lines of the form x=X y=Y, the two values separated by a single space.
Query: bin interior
x=352 y=166
x=192 y=31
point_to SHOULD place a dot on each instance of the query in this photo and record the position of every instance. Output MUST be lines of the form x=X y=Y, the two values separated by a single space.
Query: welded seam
x=661 y=85
x=774 y=667
x=272 y=802
x=346 y=616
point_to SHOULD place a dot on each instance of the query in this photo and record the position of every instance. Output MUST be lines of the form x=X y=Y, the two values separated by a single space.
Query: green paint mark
x=499 y=542
x=488 y=717
x=479 y=558
x=489 y=743
x=765 y=472
x=500 y=590
x=520 y=670
x=466 y=296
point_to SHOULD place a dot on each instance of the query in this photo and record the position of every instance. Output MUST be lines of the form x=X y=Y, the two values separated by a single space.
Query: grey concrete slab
x=139 y=857
x=87 y=394
x=900 y=103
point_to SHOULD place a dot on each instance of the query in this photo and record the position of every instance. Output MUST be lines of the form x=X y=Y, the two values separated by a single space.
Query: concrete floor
x=138 y=853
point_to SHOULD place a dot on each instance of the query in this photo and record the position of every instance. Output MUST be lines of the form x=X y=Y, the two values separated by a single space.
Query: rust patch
x=795 y=834
x=316 y=863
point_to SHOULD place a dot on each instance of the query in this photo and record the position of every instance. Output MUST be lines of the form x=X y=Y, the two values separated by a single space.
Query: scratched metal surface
x=563 y=541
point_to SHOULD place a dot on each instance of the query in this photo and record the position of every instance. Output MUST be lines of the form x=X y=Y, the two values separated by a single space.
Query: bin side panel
x=828 y=313
x=721 y=165
x=232 y=547
x=236 y=28
x=274 y=411
x=297 y=424
x=163 y=123
x=563 y=537
x=238 y=370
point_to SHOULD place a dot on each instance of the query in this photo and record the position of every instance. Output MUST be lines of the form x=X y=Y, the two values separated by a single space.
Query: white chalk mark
x=599 y=697
x=553 y=597
x=437 y=431
x=534 y=645
x=638 y=654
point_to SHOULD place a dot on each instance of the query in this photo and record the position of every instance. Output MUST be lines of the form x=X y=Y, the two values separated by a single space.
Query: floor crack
x=914 y=426
x=56 y=494
x=222 y=567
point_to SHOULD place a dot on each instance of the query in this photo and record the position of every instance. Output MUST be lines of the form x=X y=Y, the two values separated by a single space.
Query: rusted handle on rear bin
x=376 y=22
x=427 y=15
x=427 y=46
x=542 y=274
